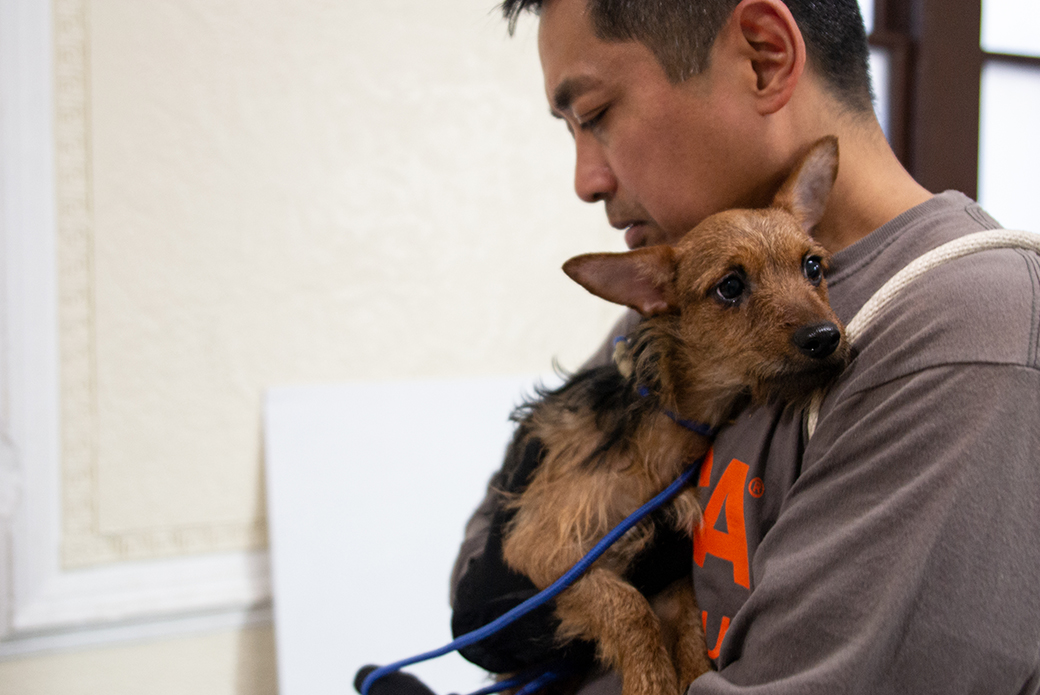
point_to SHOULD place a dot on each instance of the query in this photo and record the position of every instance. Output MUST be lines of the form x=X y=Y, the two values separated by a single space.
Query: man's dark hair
x=680 y=33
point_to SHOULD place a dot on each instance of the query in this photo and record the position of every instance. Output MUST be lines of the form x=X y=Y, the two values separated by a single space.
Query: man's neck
x=872 y=187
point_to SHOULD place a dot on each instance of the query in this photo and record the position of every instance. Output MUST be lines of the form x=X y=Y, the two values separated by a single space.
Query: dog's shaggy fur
x=736 y=312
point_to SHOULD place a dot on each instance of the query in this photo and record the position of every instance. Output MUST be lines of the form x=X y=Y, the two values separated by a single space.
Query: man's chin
x=644 y=234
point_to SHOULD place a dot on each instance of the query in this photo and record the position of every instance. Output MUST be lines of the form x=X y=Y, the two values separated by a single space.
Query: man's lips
x=635 y=234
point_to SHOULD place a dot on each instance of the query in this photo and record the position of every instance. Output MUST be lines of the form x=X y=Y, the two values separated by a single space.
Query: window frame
x=936 y=60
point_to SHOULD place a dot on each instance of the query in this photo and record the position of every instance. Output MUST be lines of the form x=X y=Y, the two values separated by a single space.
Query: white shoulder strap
x=971 y=243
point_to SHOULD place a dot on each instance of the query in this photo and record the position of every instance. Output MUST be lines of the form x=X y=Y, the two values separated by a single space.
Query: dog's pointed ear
x=804 y=193
x=643 y=279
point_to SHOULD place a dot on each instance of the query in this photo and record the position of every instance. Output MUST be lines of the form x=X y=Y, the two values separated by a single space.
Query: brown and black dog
x=736 y=312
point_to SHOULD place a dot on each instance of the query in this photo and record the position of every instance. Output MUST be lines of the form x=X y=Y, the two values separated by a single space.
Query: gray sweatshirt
x=898 y=550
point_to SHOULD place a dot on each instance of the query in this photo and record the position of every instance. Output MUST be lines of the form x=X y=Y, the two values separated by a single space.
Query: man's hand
x=396 y=683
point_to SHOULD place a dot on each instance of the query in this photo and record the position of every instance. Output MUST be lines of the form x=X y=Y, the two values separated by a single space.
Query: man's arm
x=906 y=556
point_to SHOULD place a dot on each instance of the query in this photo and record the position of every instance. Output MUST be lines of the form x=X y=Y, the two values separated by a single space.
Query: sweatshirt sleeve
x=905 y=558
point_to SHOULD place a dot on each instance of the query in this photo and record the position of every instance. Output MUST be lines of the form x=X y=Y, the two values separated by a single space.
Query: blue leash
x=523 y=680
x=546 y=594
x=528 y=682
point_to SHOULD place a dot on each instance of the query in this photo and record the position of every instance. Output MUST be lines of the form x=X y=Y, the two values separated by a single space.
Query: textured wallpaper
x=255 y=193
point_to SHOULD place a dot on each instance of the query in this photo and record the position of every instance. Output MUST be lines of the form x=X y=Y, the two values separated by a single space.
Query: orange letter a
x=730 y=544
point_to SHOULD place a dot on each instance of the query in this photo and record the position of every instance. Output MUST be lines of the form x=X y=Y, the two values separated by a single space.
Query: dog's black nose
x=818 y=340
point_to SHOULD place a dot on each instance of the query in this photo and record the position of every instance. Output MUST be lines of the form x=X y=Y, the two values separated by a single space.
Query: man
x=898 y=550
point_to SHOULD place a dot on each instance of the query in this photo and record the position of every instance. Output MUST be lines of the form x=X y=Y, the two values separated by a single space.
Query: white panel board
x=369 y=487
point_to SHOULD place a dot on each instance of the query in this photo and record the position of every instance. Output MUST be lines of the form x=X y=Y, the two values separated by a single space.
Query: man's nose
x=593 y=178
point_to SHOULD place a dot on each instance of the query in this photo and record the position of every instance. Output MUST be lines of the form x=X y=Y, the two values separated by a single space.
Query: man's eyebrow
x=567 y=91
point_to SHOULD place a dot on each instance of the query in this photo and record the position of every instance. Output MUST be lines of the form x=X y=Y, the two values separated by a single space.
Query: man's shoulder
x=983 y=308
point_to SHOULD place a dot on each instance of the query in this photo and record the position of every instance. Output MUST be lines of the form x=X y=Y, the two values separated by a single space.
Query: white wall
x=202 y=199
x=302 y=191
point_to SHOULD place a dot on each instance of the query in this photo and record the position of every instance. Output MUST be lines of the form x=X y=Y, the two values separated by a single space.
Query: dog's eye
x=731 y=289
x=812 y=267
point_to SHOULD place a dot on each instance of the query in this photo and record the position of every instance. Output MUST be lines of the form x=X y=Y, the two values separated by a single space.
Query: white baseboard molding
x=142 y=600
x=93 y=637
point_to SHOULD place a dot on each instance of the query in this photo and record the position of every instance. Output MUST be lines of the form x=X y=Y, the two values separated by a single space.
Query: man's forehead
x=564 y=28
x=574 y=60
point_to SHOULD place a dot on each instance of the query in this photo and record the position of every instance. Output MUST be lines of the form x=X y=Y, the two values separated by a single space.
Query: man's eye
x=594 y=120
x=812 y=267
x=730 y=289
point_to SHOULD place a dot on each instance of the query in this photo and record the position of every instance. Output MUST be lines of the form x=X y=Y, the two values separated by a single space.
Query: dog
x=735 y=313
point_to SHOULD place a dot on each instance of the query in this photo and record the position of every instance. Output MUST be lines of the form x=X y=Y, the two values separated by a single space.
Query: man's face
x=661 y=156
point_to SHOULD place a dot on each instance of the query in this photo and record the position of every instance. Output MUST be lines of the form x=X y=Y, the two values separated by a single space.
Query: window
x=959 y=87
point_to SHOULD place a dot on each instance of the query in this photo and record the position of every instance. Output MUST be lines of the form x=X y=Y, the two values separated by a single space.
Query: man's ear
x=770 y=39
x=804 y=193
x=643 y=279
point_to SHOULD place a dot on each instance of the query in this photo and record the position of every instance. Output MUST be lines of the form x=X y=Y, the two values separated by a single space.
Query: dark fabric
x=667 y=559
